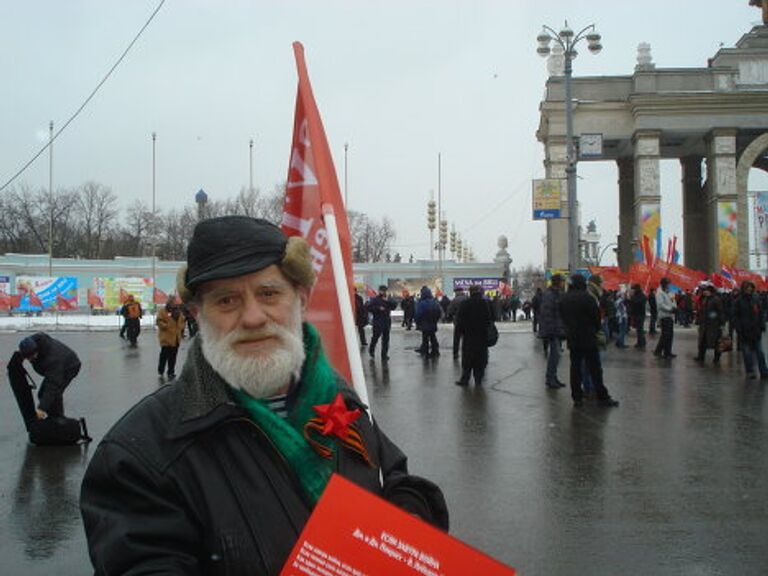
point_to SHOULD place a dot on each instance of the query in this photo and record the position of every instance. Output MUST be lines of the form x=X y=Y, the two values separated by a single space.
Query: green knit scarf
x=318 y=385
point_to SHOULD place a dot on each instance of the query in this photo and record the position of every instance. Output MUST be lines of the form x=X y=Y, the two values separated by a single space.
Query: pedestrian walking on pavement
x=428 y=314
x=666 y=306
x=581 y=318
x=408 y=306
x=536 y=307
x=654 y=312
x=453 y=312
x=637 y=302
x=551 y=329
x=749 y=323
x=474 y=319
x=361 y=318
x=170 y=327
x=711 y=318
x=380 y=308
x=132 y=313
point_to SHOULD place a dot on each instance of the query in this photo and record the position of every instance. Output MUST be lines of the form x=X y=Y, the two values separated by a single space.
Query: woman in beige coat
x=170 y=327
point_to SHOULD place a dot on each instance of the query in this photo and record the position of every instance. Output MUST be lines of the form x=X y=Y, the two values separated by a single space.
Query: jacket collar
x=201 y=398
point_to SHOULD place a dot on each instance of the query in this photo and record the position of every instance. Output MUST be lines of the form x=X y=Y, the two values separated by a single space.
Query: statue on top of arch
x=761 y=4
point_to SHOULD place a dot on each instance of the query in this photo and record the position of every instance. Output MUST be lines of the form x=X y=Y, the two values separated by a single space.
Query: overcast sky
x=399 y=81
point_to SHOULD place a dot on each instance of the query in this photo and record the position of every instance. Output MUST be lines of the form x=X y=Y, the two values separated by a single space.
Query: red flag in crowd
x=65 y=303
x=159 y=297
x=640 y=273
x=34 y=299
x=94 y=299
x=5 y=301
x=684 y=278
x=612 y=276
x=312 y=191
x=123 y=295
x=505 y=289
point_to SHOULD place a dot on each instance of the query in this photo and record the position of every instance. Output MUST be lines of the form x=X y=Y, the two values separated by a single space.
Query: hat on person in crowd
x=578 y=281
x=556 y=279
x=383 y=288
x=27 y=346
x=475 y=289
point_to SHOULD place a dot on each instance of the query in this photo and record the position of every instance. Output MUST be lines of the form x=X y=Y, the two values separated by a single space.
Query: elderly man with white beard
x=219 y=472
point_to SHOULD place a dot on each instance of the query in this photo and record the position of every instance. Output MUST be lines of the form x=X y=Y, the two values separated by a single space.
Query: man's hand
x=41 y=414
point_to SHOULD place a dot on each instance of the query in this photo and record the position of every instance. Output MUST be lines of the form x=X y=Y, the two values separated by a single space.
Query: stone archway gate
x=714 y=120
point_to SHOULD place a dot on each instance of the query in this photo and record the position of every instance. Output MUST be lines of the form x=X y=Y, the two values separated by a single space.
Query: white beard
x=261 y=376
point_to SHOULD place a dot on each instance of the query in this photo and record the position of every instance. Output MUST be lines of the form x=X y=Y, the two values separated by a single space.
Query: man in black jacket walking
x=581 y=317
x=380 y=307
x=220 y=472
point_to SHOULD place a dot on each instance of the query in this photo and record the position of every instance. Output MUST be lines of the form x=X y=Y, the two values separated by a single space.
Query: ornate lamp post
x=567 y=40
x=431 y=223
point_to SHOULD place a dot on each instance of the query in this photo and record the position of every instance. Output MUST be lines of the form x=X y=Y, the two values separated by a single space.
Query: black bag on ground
x=56 y=431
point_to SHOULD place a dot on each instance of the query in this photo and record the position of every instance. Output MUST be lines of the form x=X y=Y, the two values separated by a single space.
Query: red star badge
x=335 y=417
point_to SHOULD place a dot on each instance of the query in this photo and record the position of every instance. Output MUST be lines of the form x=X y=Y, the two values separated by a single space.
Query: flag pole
x=345 y=306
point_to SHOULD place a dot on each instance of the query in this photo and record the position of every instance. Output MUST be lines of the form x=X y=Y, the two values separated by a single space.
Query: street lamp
x=154 y=225
x=567 y=40
x=50 y=199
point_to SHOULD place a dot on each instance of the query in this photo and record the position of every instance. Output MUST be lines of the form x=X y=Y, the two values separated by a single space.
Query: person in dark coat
x=653 y=310
x=445 y=302
x=749 y=323
x=57 y=363
x=581 y=317
x=361 y=318
x=551 y=329
x=474 y=318
x=535 y=308
x=220 y=472
x=380 y=307
x=637 y=302
x=428 y=314
x=711 y=320
x=408 y=306
x=453 y=312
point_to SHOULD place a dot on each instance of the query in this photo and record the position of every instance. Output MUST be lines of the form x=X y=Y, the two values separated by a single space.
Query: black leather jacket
x=187 y=483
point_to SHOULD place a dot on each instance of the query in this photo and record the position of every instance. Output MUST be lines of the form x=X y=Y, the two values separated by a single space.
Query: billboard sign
x=547 y=198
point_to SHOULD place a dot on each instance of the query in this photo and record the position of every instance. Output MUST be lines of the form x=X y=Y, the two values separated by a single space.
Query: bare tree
x=371 y=240
x=97 y=214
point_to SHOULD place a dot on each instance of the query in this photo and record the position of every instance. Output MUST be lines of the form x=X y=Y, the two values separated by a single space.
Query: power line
x=88 y=99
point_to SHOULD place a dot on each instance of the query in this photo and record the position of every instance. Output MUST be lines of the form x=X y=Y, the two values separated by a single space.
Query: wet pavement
x=674 y=481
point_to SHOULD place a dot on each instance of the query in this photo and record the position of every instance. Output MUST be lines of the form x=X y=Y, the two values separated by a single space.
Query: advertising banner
x=650 y=221
x=761 y=222
x=397 y=286
x=40 y=292
x=547 y=198
x=5 y=284
x=726 y=233
x=108 y=290
x=490 y=286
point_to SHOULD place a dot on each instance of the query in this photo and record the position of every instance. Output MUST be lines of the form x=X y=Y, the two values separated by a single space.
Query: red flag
x=94 y=299
x=5 y=301
x=159 y=297
x=639 y=273
x=123 y=295
x=312 y=190
x=505 y=289
x=34 y=299
x=65 y=304
x=684 y=278
x=612 y=276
